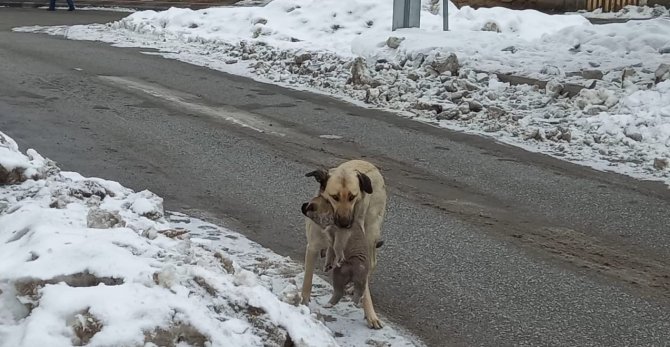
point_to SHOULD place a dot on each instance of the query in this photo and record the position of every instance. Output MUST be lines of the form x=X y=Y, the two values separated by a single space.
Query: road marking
x=193 y=104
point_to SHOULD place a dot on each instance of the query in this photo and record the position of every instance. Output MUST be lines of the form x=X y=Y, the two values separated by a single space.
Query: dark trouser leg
x=52 y=5
x=70 y=4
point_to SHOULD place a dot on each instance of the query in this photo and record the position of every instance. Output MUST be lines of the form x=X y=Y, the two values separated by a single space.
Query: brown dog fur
x=349 y=248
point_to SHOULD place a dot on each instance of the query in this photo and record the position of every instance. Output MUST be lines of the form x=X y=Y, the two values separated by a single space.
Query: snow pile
x=628 y=12
x=16 y=167
x=85 y=261
x=346 y=48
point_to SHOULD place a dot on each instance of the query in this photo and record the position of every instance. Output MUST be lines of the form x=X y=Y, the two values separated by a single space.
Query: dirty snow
x=86 y=261
x=310 y=45
x=628 y=12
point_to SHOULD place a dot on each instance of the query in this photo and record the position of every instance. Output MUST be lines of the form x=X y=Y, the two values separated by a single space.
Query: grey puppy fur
x=348 y=250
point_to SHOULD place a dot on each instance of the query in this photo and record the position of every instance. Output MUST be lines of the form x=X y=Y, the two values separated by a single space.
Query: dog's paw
x=374 y=323
x=305 y=301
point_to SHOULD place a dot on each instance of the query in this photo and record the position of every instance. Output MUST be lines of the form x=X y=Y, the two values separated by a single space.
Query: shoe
x=71 y=9
x=51 y=9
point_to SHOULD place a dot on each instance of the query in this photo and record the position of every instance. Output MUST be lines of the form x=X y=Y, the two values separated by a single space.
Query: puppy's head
x=343 y=189
x=320 y=211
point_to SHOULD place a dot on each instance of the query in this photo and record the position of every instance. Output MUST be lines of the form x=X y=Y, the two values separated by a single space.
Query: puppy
x=348 y=251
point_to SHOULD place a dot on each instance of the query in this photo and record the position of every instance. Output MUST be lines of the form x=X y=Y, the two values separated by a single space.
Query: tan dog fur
x=344 y=187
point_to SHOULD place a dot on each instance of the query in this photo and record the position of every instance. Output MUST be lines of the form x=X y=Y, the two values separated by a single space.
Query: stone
x=413 y=76
x=102 y=219
x=394 y=42
x=448 y=114
x=592 y=74
x=664 y=50
x=491 y=26
x=231 y=61
x=475 y=106
x=443 y=63
x=550 y=70
x=371 y=94
x=662 y=73
x=495 y=112
x=301 y=58
x=464 y=108
x=594 y=110
x=360 y=74
x=661 y=163
x=554 y=88
x=450 y=87
x=633 y=134
x=456 y=97
x=511 y=49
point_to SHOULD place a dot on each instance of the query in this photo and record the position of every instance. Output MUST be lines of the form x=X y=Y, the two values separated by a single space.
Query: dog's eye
x=352 y=197
x=335 y=197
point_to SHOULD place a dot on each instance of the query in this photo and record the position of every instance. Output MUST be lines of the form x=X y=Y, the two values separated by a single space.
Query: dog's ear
x=364 y=182
x=320 y=176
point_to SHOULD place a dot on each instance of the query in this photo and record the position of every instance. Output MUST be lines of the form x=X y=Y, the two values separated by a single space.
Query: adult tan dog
x=357 y=192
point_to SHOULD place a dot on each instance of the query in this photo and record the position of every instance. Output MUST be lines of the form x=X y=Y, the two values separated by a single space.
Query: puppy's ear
x=306 y=207
x=364 y=182
x=320 y=176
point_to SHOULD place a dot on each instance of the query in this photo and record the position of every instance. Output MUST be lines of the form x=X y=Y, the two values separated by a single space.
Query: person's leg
x=52 y=5
x=70 y=4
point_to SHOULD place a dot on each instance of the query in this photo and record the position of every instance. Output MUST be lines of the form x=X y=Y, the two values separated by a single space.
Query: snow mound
x=63 y=283
x=16 y=167
x=326 y=25
x=628 y=12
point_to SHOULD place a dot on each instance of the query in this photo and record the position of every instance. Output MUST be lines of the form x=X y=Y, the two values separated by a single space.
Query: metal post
x=406 y=14
x=445 y=15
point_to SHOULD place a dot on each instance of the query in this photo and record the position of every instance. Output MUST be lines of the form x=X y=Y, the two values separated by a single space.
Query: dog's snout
x=343 y=222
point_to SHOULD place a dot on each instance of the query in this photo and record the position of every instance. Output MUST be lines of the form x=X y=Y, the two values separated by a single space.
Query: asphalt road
x=486 y=244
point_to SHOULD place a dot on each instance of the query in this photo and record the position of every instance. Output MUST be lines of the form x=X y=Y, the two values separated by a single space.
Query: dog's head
x=320 y=211
x=343 y=189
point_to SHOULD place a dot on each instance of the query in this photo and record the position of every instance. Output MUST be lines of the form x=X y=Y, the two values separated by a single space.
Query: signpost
x=407 y=14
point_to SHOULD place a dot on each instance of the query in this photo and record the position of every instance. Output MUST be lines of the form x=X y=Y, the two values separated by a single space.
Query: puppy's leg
x=330 y=259
x=310 y=260
x=339 y=244
x=359 y=278
x=339 y=281
x=369 y=309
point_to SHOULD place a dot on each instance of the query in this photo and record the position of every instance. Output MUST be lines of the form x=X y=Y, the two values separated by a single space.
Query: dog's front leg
x=368 y=308
x=310 y=261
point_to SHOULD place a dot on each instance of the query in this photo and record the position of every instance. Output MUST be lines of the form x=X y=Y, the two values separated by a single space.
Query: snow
x=66 y=279
x=628 y=12
x=314 y=45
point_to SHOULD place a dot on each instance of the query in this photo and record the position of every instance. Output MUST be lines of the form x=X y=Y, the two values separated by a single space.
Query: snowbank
x=85 y=261
x=628 y=12
x=448 y=78
x=16 y=167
